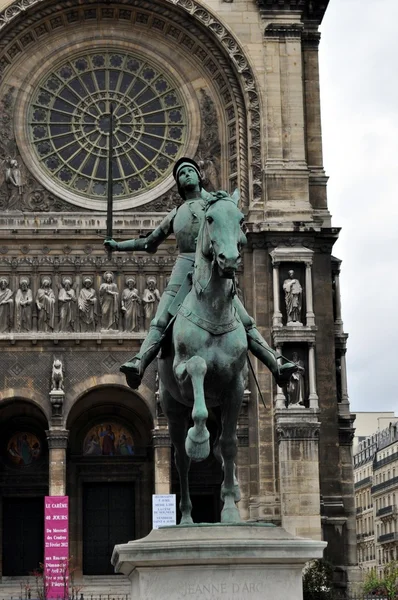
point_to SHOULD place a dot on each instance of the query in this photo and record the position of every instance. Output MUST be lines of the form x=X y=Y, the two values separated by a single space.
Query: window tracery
x=69 y=123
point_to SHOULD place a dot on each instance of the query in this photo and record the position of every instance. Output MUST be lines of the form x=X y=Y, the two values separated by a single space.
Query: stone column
x=57 y=443
x=344 y=405
x=298 y=439
x=162 y=459
x=313 y=397
x=243 y=457
x=280 y=400
x=310 y=316
x=339 y=326
x=277 y=316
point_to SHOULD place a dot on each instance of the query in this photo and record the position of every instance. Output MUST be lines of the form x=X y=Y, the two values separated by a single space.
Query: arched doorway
x=110 y=475
x=23 y=485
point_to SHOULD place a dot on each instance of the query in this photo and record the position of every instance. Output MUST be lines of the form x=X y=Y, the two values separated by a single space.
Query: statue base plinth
x=248 y=561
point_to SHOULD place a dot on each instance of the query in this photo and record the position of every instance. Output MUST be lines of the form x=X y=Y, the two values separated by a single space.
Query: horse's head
x=223 y=224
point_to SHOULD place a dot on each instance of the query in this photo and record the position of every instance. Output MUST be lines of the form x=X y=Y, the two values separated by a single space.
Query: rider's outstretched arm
x=148 y=244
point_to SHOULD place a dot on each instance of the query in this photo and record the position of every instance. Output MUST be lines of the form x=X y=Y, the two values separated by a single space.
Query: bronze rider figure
x=185 y=222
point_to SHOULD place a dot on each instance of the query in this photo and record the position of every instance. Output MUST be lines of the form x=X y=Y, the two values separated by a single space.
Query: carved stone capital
x=311 y=39
x=57 y=439
x=161 y=438
x=303 y=431
x=243 y=437
x=346 y=430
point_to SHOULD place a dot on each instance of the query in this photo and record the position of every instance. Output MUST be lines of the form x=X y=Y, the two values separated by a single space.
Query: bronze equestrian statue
x=206 y=363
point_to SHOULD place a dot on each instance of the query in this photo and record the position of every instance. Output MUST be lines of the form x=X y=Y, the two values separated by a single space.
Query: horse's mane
x=213 y=197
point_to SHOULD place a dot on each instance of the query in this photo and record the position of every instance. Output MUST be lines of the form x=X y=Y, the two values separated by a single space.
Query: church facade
x=234 y=85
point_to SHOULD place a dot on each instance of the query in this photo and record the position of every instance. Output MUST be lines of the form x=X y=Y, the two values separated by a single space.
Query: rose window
x=69 y=124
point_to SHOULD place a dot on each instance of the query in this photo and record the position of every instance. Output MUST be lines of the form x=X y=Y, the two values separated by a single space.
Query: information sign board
x=56 y=546
x=164 y=512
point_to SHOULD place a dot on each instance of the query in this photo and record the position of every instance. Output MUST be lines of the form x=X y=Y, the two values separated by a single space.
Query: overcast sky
x=359 y=90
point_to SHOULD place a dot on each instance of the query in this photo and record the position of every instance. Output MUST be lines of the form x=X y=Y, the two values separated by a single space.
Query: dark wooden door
x=23 y=535
x=108 y=519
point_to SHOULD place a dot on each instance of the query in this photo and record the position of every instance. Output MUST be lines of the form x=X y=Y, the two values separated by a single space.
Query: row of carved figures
x=78 y=310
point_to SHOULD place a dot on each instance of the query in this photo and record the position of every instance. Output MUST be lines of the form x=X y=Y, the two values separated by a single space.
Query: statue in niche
x=150 y=300
x=130 y=306
x=88 y=306
x=45 y=302
x=23 y=306
x=293 y=299
x=67 y=306
x=14 y=183
x=6 y=306
x=57 y=378
x=109 y=299
x=295 y=388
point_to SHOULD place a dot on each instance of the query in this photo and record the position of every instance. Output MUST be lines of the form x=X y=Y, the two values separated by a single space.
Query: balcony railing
x=384 y=484
x=359 y=509
x=362 y=482
x=385 y=461
x=386 y=511
x=388 y=537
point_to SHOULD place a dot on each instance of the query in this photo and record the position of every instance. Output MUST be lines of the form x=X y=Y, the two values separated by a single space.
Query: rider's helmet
x=182 y=162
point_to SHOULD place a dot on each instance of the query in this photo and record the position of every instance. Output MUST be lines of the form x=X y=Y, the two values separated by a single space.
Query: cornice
x=276 y=30
x=313 y=10
x=320 y=242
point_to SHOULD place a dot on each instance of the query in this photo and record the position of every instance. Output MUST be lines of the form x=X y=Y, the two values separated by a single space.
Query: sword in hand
x=109 y=243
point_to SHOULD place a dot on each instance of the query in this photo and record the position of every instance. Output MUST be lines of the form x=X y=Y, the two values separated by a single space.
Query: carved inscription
x=225 y=590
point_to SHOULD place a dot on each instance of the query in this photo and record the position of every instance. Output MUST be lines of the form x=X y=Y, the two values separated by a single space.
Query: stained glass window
x=69 y=123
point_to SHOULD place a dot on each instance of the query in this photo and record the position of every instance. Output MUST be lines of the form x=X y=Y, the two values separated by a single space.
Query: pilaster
x=162 y=457
x=286 y=172
x=298 y=435
x=57 y=440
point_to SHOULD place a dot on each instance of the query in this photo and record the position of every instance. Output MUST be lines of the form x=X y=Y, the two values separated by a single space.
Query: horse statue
x=206 y=365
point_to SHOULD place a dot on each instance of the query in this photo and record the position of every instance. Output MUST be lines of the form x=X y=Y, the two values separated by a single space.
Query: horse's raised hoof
x=197 y=448
x=132 y=372
x=231 y=515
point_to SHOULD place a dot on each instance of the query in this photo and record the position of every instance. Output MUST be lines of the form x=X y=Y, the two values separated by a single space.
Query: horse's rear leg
x=177 y=417
x=230 y=491
x=197 y=444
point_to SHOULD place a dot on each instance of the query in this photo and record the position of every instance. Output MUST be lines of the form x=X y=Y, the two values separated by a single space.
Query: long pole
x=109 y=215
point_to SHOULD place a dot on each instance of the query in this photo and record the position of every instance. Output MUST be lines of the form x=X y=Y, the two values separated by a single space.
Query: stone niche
x=292 y=278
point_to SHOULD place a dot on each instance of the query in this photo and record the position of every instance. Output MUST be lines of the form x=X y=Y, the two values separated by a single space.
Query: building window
x=69 y=124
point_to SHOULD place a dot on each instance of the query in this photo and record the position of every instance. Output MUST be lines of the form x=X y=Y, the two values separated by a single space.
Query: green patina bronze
x=207 y=362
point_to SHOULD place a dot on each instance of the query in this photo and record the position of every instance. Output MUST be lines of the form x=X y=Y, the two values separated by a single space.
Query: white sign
x=164 y=512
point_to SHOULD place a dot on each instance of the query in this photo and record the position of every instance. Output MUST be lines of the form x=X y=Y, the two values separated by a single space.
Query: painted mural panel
x=108 y=439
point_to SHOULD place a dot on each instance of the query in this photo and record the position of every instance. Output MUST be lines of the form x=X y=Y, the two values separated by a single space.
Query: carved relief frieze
x=94 y=299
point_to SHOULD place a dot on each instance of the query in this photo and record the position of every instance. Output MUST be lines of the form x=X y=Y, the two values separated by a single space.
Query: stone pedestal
x=216 y=562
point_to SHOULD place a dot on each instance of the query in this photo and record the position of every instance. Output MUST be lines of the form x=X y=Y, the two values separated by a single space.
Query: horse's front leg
x=177 y=418
x=197 y=444
x=230 y=491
